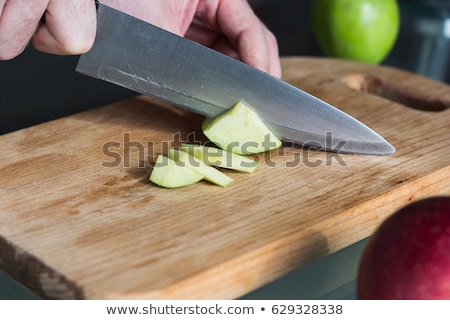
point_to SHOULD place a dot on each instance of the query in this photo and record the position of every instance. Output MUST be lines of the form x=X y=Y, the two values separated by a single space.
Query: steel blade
x=142 y=57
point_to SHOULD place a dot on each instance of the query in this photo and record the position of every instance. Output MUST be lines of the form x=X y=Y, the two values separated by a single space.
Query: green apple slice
x=209 y=173
x=170 y=174
x=220 y=158
x=241 y=131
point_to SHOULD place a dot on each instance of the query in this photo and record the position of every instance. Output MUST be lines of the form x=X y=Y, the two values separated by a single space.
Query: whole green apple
x=361 y=30
x=408 y=256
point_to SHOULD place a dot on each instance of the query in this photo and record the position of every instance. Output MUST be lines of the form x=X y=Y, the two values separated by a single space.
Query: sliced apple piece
x=241 y=131
x=170 y=174
x=209 y=173
x=220 y=158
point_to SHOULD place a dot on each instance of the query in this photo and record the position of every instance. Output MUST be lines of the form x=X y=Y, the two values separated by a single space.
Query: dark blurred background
x=36 y=87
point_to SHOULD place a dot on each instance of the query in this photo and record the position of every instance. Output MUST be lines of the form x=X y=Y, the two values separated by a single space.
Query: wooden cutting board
x=79 y=219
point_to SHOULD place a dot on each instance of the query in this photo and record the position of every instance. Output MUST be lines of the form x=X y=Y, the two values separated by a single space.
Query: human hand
x=228 y=26
x=53 y=26
x=68 y=27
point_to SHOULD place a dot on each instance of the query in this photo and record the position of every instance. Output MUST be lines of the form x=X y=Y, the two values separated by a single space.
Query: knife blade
x=149 y=60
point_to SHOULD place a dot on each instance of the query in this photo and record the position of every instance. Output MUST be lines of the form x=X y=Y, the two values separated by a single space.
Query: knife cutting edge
x=149 y=60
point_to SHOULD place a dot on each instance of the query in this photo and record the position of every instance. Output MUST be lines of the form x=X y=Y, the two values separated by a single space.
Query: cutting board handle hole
x=410 y=97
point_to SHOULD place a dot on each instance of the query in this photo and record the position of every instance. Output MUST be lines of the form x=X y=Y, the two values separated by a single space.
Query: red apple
x=408 y=256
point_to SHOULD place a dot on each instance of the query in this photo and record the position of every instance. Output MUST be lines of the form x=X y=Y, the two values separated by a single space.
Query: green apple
x=220 y=158
x=240 y=131
x=362 y=30
x=170 y=174
x=192 y=163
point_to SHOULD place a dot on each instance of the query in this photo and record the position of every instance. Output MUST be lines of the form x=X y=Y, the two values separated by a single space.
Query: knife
x=149 y=60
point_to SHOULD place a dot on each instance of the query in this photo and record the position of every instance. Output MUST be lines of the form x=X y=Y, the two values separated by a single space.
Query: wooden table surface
x=79 y=219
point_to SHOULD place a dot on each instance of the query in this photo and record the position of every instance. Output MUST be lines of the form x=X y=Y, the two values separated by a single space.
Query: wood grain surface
x=79 y=219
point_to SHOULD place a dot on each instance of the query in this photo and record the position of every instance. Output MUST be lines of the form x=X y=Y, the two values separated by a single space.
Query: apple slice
x=192 y=163
x=241 y=131
x=220 y=158
x=170 y=174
